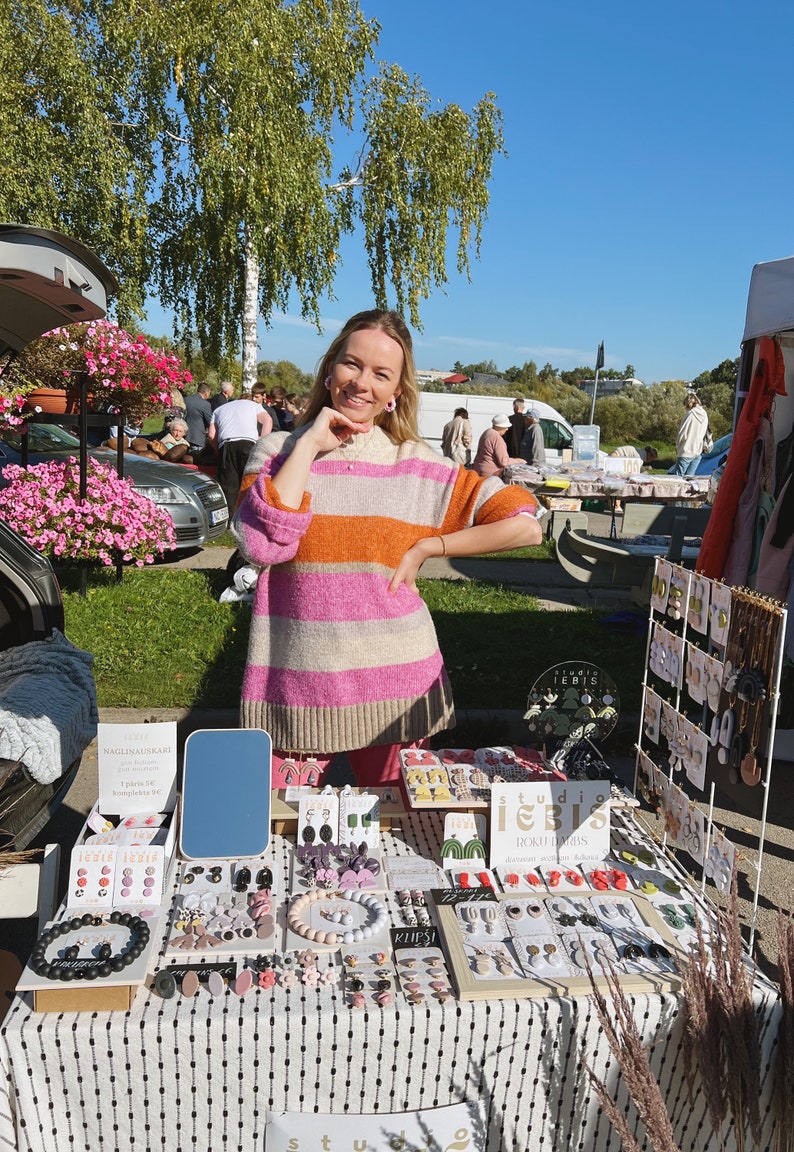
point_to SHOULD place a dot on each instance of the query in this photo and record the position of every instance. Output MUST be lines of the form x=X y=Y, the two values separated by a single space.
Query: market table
x=202 y=1073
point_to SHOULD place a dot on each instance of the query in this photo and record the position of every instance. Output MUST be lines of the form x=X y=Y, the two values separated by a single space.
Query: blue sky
x=649 y=168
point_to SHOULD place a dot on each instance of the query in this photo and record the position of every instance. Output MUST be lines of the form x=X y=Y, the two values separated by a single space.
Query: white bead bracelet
x=378 y=917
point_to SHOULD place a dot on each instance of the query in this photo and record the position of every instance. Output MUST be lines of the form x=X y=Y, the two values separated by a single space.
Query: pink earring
x=327 y=382
x=390 y=405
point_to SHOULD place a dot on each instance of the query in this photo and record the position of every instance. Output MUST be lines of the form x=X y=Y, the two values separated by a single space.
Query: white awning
x=770 y=301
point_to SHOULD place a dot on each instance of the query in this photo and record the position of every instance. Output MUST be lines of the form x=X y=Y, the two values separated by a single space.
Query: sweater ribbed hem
x=359 y=726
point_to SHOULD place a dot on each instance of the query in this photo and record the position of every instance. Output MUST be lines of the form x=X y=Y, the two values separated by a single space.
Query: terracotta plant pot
x=55 y=401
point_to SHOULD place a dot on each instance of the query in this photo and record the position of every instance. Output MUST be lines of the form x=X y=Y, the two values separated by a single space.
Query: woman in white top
x=691 y=437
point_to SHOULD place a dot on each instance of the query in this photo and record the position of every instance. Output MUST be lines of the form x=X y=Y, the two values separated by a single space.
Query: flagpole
x=599 y=366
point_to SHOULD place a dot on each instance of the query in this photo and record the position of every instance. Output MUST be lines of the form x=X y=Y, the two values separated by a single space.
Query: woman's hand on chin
x=331 y=428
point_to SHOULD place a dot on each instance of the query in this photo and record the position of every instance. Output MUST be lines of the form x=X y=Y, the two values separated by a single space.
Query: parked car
x=195 y=503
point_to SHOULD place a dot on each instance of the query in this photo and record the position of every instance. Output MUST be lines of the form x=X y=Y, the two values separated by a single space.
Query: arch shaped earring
x=474 y=850
x=452 y=848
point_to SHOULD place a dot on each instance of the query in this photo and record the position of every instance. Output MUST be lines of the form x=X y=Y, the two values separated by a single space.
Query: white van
x=437 y=408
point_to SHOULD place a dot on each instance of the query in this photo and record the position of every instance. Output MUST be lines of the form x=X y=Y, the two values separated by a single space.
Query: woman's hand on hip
x=408 y=568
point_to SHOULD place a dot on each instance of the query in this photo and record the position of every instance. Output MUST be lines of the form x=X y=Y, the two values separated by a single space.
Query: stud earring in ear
x=390 y=405
x=327 y=382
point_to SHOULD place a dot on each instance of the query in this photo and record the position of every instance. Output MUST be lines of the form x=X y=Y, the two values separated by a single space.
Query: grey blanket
x=48 y=710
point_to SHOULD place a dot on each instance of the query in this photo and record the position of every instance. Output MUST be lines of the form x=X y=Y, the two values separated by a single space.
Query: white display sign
x=137 y=768
x=456 y=1128
x=551 y=821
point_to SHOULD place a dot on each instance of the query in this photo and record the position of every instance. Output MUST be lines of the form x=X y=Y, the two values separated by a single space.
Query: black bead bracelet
x=106 y=963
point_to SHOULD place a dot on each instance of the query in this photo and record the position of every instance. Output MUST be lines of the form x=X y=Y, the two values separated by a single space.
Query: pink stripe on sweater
x=360 y=686
x=333 y=596
x=434 y=470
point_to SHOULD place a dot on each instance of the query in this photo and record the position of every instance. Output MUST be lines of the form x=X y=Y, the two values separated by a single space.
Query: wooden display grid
x=472 y=987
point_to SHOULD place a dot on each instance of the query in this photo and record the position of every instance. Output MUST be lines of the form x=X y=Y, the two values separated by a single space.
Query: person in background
x=259 y=396
x=456 y=437
x=234 y=429
x=492 y=455
x=692 y=434
x=625 y=452
x=224 y=394
x=198 y=414
x=649 y=456
x=517 y=428
x=533 y=449
x=340 y=515
x=278 y=401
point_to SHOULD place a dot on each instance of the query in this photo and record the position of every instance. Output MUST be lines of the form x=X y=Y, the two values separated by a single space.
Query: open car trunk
x=46 y=280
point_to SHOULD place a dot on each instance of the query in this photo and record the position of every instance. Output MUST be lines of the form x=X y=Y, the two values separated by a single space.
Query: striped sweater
x=335 y=662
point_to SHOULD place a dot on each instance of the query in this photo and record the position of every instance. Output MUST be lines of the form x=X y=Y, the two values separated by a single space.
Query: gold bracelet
x=443 y=546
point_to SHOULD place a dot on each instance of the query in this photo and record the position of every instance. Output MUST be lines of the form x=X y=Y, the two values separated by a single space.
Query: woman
x=456 y=437
x=691 y=437
x=492 y=455
x=341 y=514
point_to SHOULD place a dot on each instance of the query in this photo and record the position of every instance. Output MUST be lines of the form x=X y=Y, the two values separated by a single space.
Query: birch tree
x=241 y=116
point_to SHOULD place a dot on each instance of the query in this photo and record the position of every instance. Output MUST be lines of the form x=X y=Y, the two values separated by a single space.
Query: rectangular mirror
x=226 y=793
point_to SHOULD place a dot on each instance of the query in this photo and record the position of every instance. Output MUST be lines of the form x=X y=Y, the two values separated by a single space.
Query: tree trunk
x=250 y=315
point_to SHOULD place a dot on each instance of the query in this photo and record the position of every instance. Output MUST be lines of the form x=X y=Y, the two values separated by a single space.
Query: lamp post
x=599 y=366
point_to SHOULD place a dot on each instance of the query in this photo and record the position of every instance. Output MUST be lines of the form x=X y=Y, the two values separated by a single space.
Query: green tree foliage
x=285 y=373
x=70 y=161
x=194 y=145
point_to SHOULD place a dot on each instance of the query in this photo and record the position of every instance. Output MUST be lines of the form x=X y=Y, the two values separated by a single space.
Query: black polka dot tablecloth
x=203 y=1073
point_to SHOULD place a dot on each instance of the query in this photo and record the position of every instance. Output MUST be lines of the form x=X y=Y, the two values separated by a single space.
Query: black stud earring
x=264 y=878
x=242 y=880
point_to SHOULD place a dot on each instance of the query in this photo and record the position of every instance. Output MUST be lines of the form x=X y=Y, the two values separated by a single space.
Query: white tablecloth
x=590 y=483
x=201 y=1074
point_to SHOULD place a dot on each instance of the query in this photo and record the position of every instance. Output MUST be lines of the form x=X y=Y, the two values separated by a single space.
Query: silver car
x=194 y=501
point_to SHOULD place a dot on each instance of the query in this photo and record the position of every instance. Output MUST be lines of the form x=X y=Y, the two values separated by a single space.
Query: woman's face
x=178 y=432
x=366 y=375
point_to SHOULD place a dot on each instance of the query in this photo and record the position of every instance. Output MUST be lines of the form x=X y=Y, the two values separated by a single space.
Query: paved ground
x=558 y=592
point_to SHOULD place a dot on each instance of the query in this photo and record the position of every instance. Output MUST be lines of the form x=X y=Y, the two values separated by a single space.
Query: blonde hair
x=401 y=424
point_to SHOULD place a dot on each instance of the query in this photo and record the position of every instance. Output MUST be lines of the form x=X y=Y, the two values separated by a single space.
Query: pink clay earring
x=390 y=405
x=327 y=382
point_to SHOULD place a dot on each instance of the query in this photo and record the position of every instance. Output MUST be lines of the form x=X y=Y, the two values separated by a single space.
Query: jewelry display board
x=512 y=946
x=709 y=710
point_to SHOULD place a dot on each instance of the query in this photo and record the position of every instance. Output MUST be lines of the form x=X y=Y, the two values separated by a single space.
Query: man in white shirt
x=234 y=429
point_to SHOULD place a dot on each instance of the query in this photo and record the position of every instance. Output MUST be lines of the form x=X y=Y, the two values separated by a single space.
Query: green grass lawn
x=161 y=639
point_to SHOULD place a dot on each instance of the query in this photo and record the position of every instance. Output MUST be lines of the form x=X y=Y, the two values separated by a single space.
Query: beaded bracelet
x=106 y=963
x=351 y=936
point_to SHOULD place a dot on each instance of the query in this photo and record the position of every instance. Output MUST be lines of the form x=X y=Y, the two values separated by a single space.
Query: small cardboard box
x=561 y=504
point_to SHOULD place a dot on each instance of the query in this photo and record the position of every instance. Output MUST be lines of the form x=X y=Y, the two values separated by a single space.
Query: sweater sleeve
x=267 y=531
x=478 y=501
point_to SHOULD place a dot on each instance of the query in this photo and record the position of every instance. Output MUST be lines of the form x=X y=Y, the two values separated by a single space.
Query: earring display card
x=359 y=819
x=91 y=876
x=223 y=923
x=413 y=873
x=370 y=978
x=464 y=838
x=423 y=974
x=138 y=877
x=472 y=877
x=523 y=880
x=318 y=818
x=352 y=866
x=543 y=945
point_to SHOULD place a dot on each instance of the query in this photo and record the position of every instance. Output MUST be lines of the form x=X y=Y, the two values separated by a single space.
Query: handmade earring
x=725 y=738
x=490 y=915
x=469 y=916
x=327 y=382
x=390 y=404
x=482 y=963
x=326 y=832
x=308 y=832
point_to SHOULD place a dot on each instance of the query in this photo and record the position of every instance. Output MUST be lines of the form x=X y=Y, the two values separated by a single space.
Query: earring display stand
x=517 y=946
x=715 y=656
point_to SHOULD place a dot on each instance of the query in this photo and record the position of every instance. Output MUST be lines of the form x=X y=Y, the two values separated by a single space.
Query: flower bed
x=114 y=522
